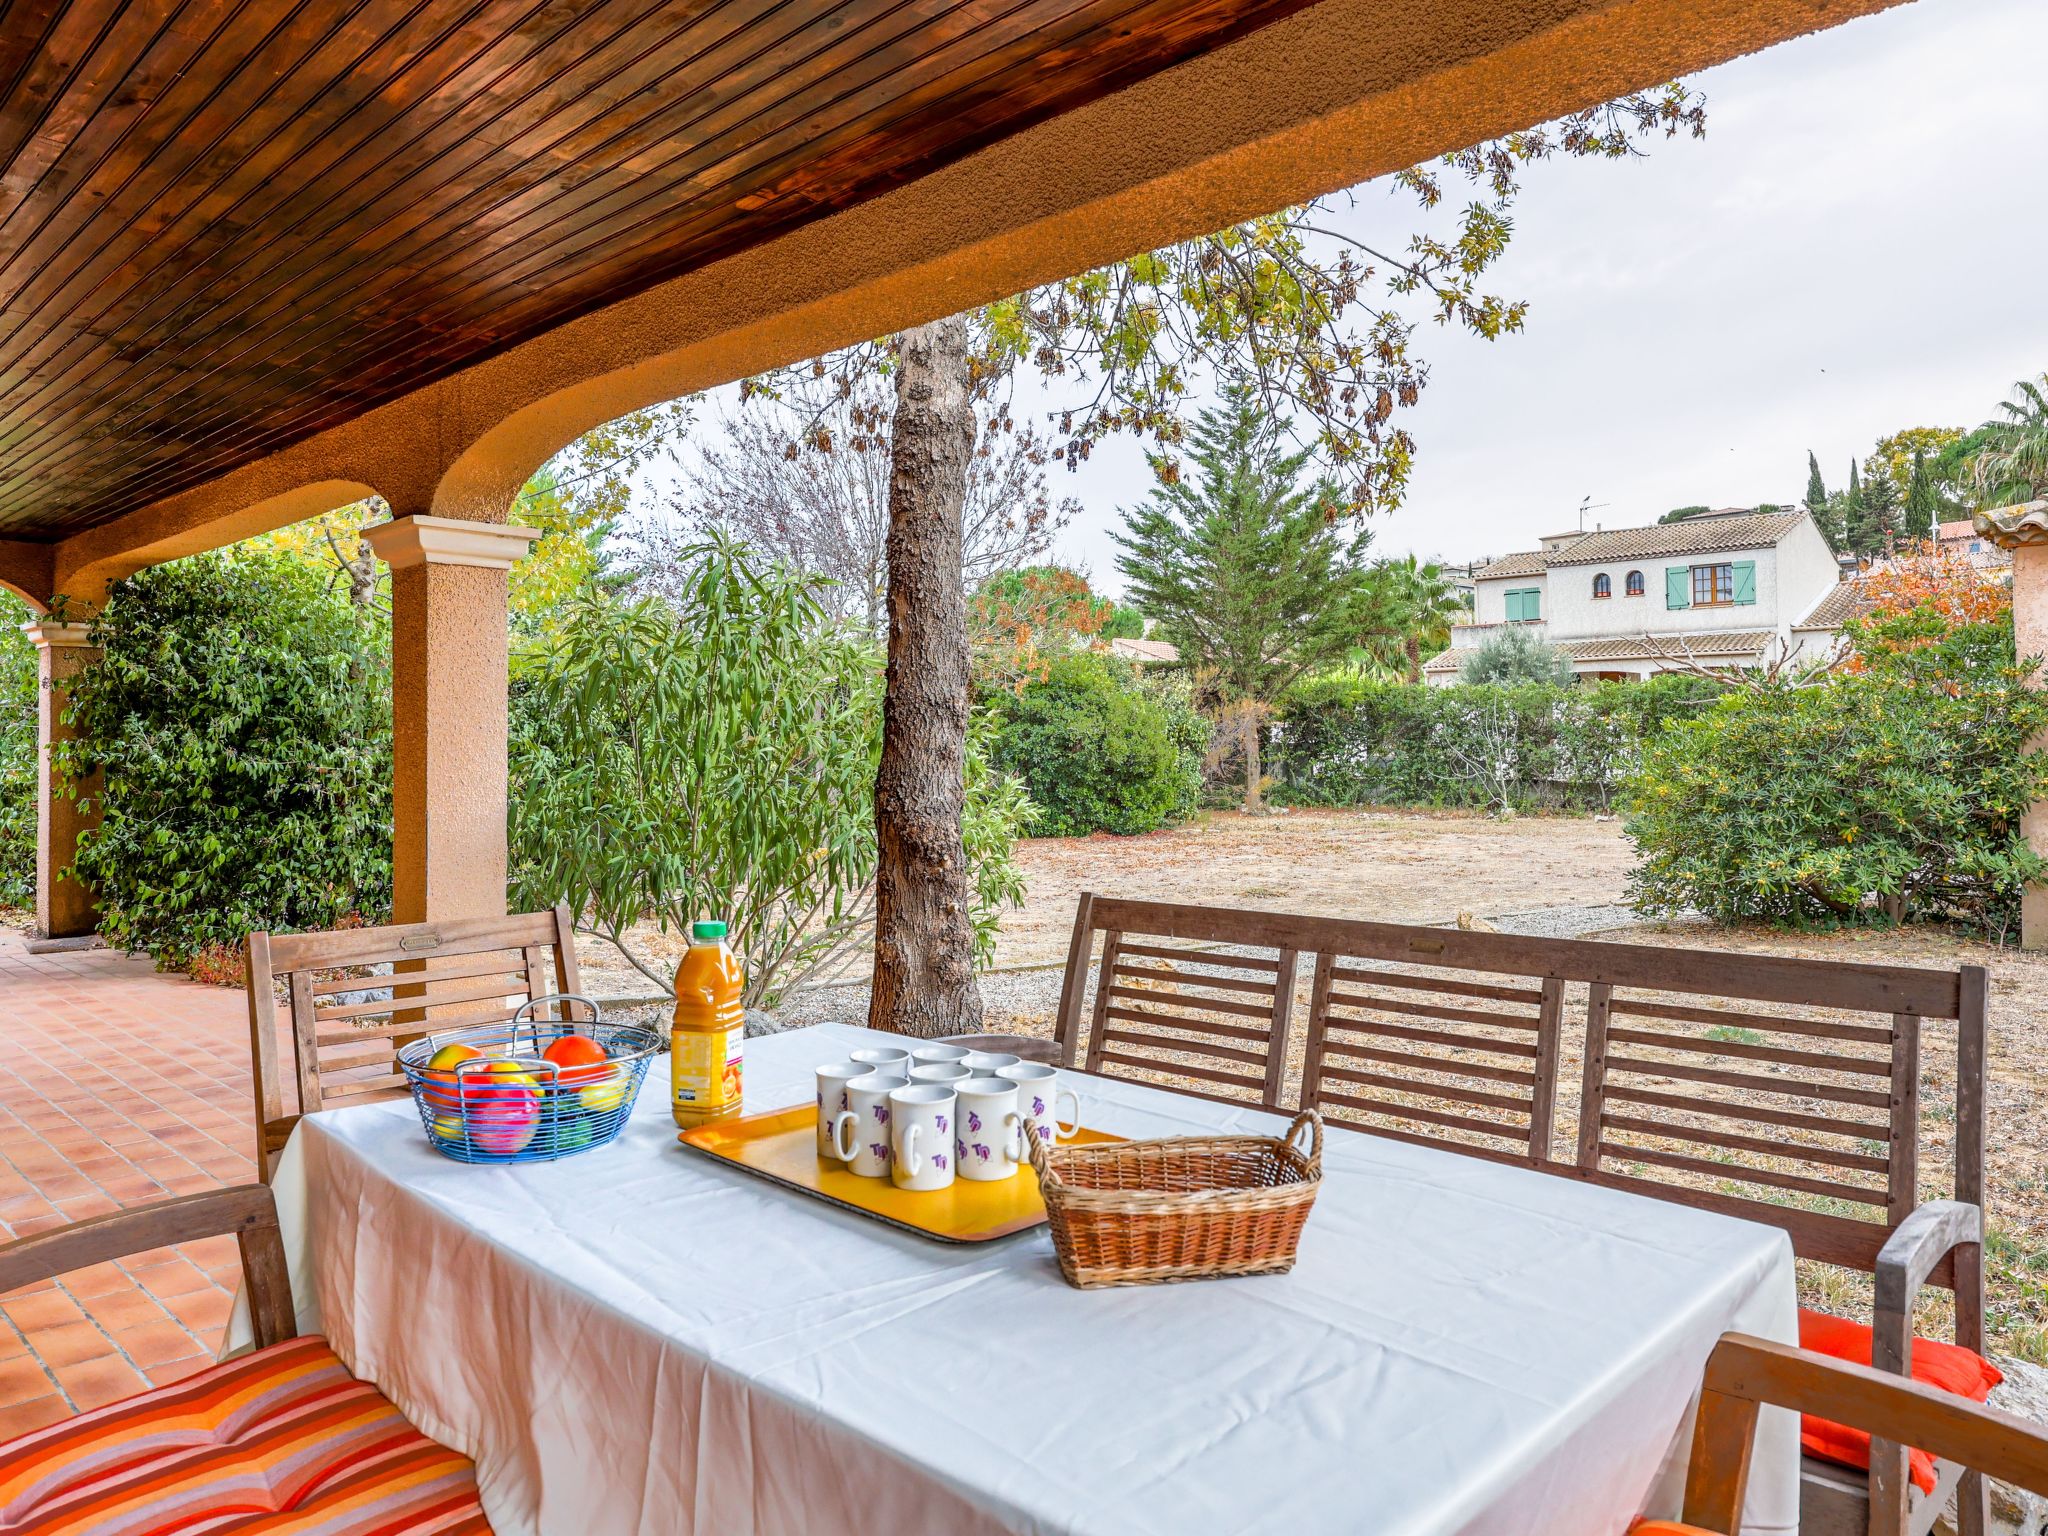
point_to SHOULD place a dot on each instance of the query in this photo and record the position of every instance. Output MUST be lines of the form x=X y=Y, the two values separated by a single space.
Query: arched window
x=1603 y=586
x=1635 y=583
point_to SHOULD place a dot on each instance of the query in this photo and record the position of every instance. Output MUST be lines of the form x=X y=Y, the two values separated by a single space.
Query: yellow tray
x=782 y=1145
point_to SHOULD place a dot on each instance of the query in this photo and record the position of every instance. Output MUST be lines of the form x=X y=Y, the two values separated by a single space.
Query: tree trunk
x=1254 y=772
x=1413 y=645
x=924 y=936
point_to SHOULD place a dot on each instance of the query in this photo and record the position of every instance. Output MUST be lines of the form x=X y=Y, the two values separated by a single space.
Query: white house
x=1718 y=589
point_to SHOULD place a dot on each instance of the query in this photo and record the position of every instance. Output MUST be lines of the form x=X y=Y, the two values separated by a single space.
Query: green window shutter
x=1678 y=586
x=1515 y=606
x=1524 y=605
x=1745 y=581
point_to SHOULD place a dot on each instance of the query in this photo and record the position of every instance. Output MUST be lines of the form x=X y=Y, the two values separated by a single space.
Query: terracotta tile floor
x=117 y=1087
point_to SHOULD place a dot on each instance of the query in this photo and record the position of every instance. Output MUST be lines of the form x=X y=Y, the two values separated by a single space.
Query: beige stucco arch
x=1339 y=92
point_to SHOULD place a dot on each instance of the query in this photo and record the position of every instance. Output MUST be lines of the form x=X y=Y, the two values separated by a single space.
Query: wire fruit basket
x=1180 y=1208
x=508 y=1102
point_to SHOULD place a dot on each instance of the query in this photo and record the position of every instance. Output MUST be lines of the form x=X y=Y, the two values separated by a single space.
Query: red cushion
x=1947 y=1366
x=1668 y=1528
x=280 y=1441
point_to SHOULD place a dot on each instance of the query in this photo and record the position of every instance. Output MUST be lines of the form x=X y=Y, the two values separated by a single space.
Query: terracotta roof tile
x=1531 y=562
x=1708 y=643
x=1693 y=536
x=1844 y=601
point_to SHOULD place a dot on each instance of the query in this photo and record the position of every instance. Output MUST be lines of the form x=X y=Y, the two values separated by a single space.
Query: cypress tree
x=1922 y=506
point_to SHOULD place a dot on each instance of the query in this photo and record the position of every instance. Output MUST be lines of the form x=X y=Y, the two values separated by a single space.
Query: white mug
x=987 y=1063
x=940 y=1072
x=921 y=1136
x=860 y=1134
x=988 y=1142
x=832 y=1081
x=1038 y=1096
x=884 y=1058
x=934 y=1055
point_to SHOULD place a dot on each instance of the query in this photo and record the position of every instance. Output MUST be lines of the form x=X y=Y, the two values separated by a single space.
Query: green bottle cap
x=704 y=932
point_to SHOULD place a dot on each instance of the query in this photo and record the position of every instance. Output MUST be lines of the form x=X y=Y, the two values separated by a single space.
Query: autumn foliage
x=1934 y=584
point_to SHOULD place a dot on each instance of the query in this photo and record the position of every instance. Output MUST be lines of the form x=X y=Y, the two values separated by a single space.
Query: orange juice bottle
x=709 y=1030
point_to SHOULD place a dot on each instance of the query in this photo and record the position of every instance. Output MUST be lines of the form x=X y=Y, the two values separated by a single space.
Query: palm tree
x=2012 y=465
x=1430 y=604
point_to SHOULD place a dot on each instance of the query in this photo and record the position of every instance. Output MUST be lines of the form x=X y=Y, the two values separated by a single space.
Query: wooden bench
x=346 y=1022
x=1771 y=1088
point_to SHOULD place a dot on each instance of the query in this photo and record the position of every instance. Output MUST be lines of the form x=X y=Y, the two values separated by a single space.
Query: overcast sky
x=1856 y=246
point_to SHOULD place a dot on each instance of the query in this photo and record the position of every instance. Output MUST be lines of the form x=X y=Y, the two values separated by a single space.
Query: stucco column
x=64 y=908
x=448 y=720
x=2023 y=530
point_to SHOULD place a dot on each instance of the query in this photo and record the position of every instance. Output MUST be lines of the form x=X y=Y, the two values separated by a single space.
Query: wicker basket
x=1182 y=1208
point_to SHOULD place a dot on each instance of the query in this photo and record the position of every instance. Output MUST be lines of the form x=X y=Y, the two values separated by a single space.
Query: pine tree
x=1240 y=568
x=1922 y=505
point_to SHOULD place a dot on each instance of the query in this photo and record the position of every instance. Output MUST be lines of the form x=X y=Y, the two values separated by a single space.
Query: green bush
x=240 y=717
x=1890 y=795
x=1511 y=656
x=716 y=757
x=1345 y=740
x=1099 y=750
x=18 y=675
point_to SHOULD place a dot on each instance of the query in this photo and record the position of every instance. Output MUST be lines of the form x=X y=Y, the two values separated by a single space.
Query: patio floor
x=118 y=1086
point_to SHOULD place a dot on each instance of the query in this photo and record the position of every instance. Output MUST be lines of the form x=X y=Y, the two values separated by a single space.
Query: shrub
x=717 y=757
x=1099 y=750
x=1892 y=794
x=1515 y=656
x=239 y=716
x=1345 y=740
x=18 y=682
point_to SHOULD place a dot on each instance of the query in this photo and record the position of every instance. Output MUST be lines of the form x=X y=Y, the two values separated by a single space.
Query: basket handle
x=1314 y=1121
x=1041 y=1154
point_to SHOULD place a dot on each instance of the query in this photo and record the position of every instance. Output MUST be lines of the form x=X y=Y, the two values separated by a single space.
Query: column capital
x=424 y=540
x=58 y=635
x=2019 y=527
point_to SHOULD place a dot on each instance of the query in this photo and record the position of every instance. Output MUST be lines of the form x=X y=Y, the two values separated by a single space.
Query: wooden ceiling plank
x=148 y=387
x=276 y=136
x=166 y=304
x=577 y=177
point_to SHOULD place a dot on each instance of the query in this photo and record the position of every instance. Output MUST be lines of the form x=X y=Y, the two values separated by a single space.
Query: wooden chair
x=347 y=1022
x=1173 y=1006
x=1466 y=1060
x=1788 y=1091
x=1744 y=1373
x=187 y=1456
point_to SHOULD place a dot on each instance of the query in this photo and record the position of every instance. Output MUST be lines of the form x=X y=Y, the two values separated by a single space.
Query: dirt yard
x=1412 y=868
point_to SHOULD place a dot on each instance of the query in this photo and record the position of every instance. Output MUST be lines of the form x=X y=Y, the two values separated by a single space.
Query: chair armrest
x=248 y=1211
x=1908 y=1257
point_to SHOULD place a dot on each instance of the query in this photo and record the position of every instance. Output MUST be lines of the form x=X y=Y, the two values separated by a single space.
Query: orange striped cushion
x=283 y=1442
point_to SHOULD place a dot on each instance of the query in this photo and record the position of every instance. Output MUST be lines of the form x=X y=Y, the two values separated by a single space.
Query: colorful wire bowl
x=510 y=1104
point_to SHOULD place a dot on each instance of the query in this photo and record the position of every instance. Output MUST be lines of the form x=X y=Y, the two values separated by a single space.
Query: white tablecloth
x=638 y=1340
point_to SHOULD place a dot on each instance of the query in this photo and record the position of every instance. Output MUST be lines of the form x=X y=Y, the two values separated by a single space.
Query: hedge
x=1347 y=741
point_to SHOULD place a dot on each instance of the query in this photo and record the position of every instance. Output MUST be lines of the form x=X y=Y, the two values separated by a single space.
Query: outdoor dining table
x=640 y=1339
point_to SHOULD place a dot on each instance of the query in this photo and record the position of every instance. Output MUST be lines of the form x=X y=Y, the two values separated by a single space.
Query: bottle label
x=705 y=1067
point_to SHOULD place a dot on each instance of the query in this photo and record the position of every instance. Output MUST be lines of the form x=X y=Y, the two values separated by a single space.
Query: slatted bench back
x=346 y=1020
x=1442 y=1057
x=1198 y=999
x=1777 y=1089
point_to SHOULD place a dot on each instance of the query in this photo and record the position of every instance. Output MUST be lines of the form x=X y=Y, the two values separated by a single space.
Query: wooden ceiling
x=228 y=224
